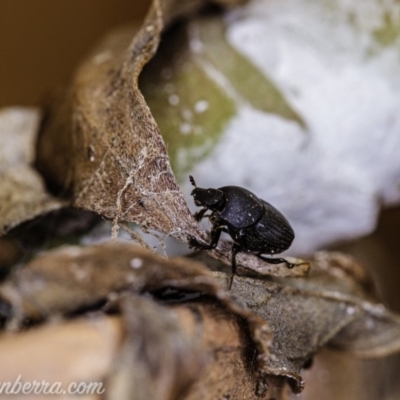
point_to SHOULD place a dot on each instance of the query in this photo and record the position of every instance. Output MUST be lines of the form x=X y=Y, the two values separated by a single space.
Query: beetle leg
x=276 y=261
x=215 y=235
x=200 y=214
x=235 y=249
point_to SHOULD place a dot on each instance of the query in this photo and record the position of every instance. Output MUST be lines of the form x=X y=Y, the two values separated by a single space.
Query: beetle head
x=208 y=198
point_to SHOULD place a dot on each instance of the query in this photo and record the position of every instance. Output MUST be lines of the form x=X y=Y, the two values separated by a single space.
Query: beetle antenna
x=192 y=181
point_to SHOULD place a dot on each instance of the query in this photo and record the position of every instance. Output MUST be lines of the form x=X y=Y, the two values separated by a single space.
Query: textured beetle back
x=242 y=207
x=275 y=229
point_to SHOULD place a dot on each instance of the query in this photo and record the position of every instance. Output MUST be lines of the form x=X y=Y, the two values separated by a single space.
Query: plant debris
x=287 y=320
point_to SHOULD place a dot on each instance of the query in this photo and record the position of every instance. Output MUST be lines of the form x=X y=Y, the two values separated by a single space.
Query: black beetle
x=254 y=225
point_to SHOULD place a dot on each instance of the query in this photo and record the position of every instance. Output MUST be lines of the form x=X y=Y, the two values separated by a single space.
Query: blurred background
x=42 y=41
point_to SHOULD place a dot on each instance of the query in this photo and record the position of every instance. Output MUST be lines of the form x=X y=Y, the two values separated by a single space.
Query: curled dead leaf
x=331 y=306
x=152 y=352
x=102 y=145
x=112 y=156
x=157 y=359
x=89 y=277
x=108 y=276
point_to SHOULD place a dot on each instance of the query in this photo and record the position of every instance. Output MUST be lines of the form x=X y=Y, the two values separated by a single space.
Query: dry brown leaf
x=157 y=359
x=231 y=368
x=112 y=155
x=143 y=355
x=87 y=277
x=151 y=352
x=103 y=145
x=23 y=194
x=222 y=359
x=339 y=375
x=332 y=306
